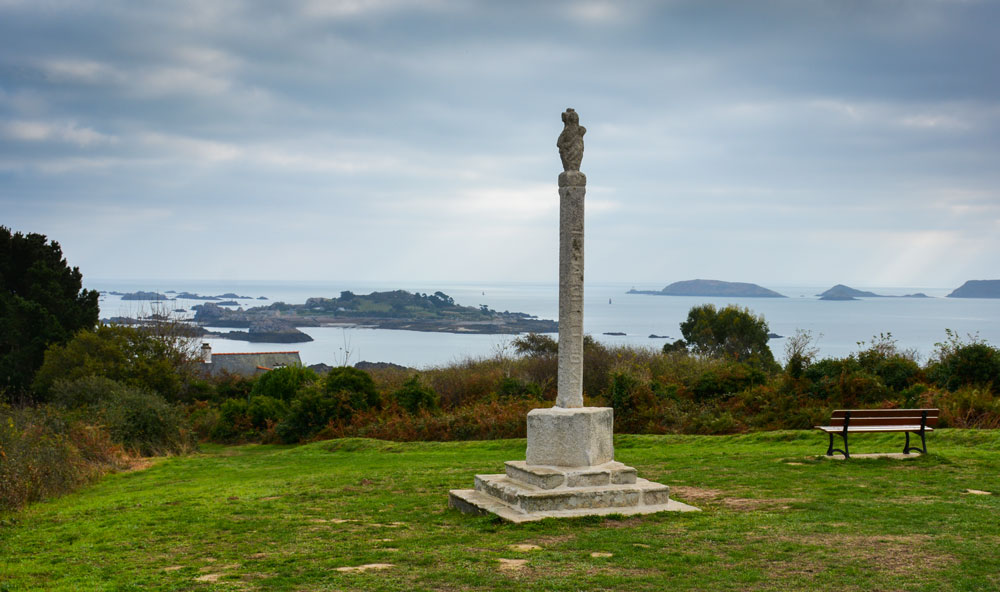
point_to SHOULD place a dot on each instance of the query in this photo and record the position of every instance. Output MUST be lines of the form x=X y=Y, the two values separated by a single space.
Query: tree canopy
x=41 y=303
x=732 y=332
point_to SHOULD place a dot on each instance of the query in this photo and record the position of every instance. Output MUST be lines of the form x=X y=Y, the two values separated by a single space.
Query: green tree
x=41 y=303
x=733 y=332
x=130 y=355
x=355 y=387
x=284 y=383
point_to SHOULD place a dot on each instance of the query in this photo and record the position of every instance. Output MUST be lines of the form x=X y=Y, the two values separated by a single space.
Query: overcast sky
x=782 y=143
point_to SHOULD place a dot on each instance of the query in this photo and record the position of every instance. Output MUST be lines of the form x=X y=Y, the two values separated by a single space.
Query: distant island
x=140 y=295
x=712 y=288
x=842 y=292
x=397 y=309
x=977 y=289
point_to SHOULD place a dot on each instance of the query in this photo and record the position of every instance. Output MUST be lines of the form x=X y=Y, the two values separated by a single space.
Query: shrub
x=233 y=424
x=414 y=396
x=310 y=413
x=233 y=386
x=284 y=383
x=87 y=391
x=632 y=399
x=959 y=363
x=131 y=356
x=536 y=344
x=513 y=388
x=144 y=423
x=44 y=452
x=356 y=384
x=266 y=411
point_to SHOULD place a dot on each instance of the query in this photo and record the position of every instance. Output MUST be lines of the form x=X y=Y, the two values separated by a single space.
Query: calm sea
x=916 y=323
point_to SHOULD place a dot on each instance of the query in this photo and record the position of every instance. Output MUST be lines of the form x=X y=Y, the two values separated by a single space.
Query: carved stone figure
x=570 y=142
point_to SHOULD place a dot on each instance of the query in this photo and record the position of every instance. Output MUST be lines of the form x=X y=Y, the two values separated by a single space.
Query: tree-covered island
x=397 y=309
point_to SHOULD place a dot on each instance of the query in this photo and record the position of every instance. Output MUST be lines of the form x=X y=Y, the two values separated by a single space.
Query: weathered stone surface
x=580 y=437
x=570 y=377
x=570 y=141
x=471 y=501
x=588 y=478
x=551 y=477
x=517 y=501
x=541 y=477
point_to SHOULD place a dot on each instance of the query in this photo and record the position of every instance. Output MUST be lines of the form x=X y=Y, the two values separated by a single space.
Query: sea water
x=836 y=326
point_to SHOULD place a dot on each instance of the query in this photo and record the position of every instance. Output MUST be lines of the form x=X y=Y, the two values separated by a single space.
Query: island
x=712 y=288
x=140 y=295
x=977 y=289
x=397 y=309
x=842 y=292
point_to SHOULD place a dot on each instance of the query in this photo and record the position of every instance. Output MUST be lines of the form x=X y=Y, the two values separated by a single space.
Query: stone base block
x=574 y=437
x=515 y=501
x=549 y=477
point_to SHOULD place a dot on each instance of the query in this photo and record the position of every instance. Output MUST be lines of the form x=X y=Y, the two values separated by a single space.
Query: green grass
x=283 y=518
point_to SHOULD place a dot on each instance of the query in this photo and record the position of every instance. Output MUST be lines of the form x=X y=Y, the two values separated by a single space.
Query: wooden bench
x=910 y=421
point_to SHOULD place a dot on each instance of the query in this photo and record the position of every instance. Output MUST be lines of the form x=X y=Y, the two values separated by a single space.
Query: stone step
x=475 y=502
x=529 y=498
x=550 y=477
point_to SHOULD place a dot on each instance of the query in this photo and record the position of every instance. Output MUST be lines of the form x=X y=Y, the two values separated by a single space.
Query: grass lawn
x=286 y=518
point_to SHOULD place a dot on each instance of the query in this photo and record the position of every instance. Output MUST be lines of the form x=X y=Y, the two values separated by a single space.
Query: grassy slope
x=279 y=518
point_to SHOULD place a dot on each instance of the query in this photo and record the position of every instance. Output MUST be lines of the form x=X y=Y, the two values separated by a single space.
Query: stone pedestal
x=570 y=471
x=579 y=437
x=570 y=468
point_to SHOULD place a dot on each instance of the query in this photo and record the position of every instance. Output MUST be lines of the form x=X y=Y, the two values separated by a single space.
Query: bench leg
x=923 y=443
x=830 y=450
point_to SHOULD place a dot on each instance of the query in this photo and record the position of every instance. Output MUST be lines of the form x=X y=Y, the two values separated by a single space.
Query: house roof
x=251 y=363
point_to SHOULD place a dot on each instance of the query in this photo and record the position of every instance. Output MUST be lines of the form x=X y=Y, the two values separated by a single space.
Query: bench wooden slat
x=886 y=421
x=856 y=413
x=901 y=428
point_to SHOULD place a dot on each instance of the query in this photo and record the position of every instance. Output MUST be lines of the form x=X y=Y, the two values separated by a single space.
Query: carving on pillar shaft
x=572 y=189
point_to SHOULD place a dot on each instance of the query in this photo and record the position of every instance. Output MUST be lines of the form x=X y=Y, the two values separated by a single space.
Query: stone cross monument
x=572 y=189
x=569 y=468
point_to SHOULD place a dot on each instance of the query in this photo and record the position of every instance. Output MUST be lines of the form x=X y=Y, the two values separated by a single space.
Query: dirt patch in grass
x=209 y=577
x=512 y=565
x=365 y=567
x=740 y=504
x=694 y=493
x=894 y=554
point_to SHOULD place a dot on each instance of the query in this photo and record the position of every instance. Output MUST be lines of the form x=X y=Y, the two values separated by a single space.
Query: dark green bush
x=284 y=383
x=233 y=424
x=144 y=423
x=266 y=411
x=132 y=356
x=959 y=363
x=358 y=384
x=233 y=386
x=85 y=392
x=632 y=399
x=415 y=396
x=512 y=388
x=310 y=413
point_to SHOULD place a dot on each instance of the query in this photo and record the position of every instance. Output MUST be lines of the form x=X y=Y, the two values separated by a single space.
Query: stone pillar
x=569 y=469
x=572 y=189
